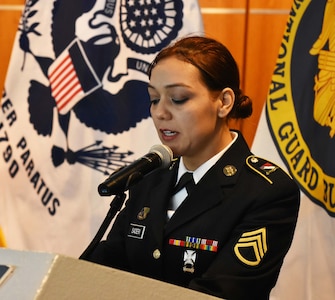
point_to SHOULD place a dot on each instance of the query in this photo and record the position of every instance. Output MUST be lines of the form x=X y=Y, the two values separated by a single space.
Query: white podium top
x=38 y=276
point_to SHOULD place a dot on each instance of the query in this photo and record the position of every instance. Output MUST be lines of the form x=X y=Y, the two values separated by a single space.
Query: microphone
x=160 y=156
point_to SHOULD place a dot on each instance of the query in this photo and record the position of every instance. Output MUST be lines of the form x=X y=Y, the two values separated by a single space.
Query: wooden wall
x=251 y=29
x=10 y=12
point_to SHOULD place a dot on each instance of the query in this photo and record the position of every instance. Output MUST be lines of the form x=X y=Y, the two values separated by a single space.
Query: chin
x=175 y=152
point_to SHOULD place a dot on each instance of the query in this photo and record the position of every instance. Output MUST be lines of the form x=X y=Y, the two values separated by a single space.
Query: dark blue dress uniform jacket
x=227 y=239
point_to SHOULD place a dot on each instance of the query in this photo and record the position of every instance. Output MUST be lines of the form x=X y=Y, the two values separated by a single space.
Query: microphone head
x=165 y=153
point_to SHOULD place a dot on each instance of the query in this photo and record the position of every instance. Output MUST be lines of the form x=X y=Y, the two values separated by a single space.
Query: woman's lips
x=168 y=134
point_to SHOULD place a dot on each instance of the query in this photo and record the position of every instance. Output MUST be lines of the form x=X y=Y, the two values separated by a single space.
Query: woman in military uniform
x=226 y=233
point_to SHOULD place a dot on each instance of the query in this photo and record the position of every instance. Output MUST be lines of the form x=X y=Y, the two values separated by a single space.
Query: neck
x=193 y=162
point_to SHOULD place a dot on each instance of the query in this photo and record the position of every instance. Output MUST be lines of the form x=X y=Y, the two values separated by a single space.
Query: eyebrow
x=171 y=85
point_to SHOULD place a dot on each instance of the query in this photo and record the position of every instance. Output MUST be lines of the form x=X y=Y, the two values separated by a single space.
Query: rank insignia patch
x=251 y=247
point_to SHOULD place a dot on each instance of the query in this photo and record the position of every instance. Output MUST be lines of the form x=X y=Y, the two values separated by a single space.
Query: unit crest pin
x=229 y=170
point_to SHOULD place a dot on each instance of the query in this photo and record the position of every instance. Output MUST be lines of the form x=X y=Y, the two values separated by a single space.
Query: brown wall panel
x=252 y=30
x=263 y=42
x=9 y=19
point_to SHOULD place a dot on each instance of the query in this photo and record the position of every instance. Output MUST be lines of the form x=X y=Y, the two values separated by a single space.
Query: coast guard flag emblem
x=74 y=109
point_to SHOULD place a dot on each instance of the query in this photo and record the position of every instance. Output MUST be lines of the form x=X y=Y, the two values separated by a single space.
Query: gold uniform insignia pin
x=229 y=170
x=156 y=254
x=143 y=213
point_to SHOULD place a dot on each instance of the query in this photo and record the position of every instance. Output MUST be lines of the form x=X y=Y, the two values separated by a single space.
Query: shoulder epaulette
x=261 y=166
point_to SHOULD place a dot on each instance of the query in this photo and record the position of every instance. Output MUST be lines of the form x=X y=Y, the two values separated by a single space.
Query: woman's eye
x=179 y=101
x=154 y=101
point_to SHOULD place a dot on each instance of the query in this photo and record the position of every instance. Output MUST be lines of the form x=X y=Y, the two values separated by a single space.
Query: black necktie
x=186 y=181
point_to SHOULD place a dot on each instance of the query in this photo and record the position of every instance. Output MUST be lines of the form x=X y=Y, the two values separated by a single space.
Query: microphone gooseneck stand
x=159 y=156
x=115 y=206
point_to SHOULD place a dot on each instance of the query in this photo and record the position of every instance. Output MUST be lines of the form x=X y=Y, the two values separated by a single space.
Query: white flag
x=74 y=109
x=297 y=130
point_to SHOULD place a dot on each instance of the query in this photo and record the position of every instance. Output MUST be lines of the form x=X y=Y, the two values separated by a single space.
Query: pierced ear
x=227 y=98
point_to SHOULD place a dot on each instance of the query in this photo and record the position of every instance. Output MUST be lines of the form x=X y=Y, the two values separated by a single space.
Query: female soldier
x=228 y=235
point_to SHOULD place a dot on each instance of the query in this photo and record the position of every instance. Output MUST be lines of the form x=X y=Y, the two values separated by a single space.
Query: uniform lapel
x=206 y=194
x=159 y=197
x=214 y=188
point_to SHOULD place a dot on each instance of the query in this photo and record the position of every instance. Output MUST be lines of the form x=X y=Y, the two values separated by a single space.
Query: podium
x=29 y=275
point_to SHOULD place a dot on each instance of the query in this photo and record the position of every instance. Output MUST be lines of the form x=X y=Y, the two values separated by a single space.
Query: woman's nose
x=161 y=111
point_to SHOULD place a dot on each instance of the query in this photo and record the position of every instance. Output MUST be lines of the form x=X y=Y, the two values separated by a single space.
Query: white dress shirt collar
x=201 y=171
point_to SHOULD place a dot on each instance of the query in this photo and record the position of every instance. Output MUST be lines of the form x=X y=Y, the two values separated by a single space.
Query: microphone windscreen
x=164 y=152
